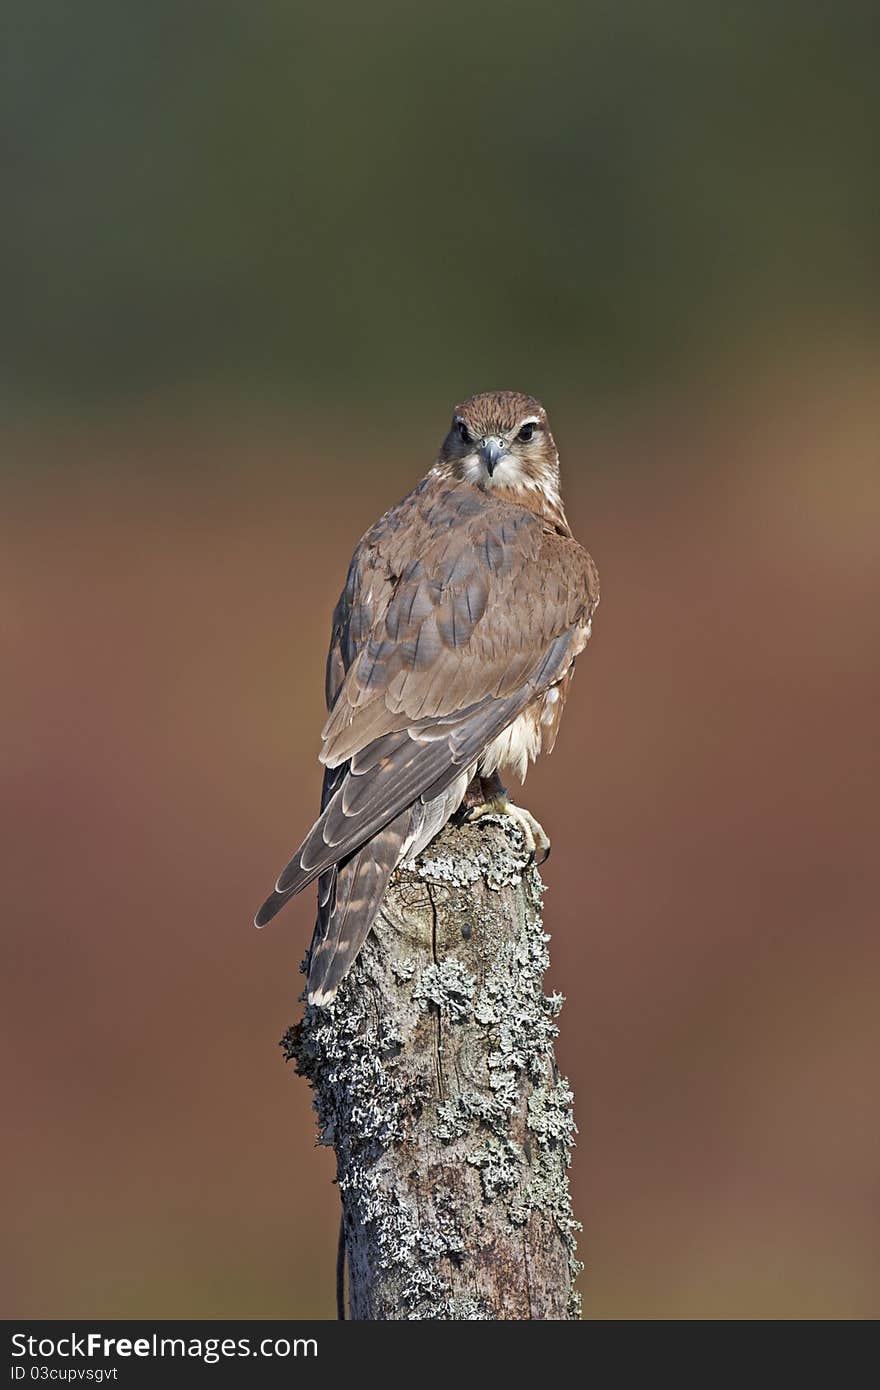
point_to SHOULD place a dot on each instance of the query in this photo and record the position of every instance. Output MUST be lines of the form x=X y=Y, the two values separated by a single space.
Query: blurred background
x=252 y=255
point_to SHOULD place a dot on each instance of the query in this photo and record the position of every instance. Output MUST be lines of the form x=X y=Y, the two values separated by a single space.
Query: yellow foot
x=533 y=832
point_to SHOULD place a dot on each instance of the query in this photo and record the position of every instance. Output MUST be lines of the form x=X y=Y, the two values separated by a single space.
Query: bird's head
x=501 y=442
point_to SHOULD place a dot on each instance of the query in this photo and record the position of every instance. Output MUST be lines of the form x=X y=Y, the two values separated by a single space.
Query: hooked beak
x=492 y=451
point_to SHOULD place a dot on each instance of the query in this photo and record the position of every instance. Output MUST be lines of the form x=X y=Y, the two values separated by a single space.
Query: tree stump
x=436 y=1083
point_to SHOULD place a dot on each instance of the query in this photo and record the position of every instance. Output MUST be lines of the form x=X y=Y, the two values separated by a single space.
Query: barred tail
x=348 y=901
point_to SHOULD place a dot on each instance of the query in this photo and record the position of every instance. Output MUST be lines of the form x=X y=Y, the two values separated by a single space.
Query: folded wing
x=459 y=610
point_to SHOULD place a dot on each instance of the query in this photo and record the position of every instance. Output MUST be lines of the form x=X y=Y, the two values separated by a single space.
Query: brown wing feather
x=465 y=593
x=459 y=609
x=333 y=779
x=422 y=763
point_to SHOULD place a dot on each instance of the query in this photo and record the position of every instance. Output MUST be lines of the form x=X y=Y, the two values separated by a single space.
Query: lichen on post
x=436 y=1083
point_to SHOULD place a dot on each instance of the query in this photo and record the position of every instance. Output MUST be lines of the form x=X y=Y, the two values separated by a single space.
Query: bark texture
x=435 y=1082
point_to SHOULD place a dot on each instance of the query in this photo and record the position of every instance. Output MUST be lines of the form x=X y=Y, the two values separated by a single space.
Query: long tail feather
x=345 y=920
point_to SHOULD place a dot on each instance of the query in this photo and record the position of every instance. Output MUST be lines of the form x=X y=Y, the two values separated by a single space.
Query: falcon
x=453 y=647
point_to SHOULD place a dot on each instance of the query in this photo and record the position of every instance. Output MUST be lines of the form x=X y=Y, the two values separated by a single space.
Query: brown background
x=218 y=373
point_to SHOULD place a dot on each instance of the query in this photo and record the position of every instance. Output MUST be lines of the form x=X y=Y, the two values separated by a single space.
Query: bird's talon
x=533 y=833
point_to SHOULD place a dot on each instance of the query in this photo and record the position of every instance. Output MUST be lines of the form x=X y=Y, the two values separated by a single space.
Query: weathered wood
x=436 y=1083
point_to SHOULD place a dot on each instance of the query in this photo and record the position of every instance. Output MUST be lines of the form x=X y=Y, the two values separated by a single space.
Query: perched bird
x=453 y=645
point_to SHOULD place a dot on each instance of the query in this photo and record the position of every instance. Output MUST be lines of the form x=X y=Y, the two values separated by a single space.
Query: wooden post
x=435 y=1082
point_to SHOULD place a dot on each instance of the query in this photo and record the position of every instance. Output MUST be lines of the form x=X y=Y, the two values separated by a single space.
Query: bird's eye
x=526 y=433
x=464 y=433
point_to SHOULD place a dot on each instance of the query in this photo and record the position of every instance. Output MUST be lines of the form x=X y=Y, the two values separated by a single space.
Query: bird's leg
x=487 y=796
